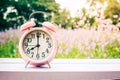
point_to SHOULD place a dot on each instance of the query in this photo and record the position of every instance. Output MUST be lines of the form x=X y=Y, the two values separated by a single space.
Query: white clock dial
x=37 y=45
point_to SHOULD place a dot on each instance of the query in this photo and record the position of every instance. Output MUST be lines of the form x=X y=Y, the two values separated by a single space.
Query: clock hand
x=33 y=47
x=37 y=49
x=38 y=45
x=37 y=55
x=37 y=38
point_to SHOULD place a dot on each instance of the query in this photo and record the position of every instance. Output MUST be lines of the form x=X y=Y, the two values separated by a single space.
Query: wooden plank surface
x=61 y=69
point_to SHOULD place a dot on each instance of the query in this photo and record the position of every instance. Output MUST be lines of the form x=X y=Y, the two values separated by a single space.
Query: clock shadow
x=37 y=67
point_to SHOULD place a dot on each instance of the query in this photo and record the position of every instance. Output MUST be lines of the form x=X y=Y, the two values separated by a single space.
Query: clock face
x=37 y=45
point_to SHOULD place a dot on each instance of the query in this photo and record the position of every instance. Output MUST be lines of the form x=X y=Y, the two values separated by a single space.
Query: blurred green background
x=93 y=32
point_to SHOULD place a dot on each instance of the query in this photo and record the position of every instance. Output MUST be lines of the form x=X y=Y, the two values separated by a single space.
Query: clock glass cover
x=37 y=45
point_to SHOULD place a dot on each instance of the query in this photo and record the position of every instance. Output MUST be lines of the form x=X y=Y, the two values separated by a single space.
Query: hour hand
x=33 y=47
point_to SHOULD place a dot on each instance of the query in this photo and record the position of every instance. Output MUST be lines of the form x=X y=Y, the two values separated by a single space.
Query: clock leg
x=27 y=64
x=48 y=64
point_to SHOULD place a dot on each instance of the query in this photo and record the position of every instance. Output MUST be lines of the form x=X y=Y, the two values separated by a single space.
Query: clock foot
x=48 y=64
x=27 y=64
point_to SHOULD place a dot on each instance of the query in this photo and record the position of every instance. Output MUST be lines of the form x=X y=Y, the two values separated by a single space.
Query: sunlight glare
x=72 y=5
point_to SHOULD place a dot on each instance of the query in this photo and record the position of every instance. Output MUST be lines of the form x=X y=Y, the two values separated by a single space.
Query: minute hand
x=38 y=40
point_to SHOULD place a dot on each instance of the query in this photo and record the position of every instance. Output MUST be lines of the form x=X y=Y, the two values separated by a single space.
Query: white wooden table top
x=61 y=69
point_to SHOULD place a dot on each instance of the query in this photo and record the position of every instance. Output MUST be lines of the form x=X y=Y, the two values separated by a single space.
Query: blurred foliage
x=3 y=8
x=79 y=43
x=111 y=51
x=112 y=11
x=74 y=53
x=61 y=18
x=16 y=12
x=9 y=49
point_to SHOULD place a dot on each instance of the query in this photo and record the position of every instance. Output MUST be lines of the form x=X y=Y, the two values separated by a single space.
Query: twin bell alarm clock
x=38 y=46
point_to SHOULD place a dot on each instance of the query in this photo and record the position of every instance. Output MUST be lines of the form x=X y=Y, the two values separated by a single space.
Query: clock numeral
x=47 y=39
x=43 y=36
x=28 y=51
x=47 y=50
x=38 y=34
x=37 y=56
x=29 y=40
x=49 y=45
x=43 y=54
x=32 y=54
x=33 y=36
x=25 y=44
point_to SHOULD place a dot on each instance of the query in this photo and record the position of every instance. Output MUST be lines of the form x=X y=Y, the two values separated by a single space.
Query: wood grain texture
x=61 y=69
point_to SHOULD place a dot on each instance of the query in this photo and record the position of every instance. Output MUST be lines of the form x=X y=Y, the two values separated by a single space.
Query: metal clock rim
x=38 y=12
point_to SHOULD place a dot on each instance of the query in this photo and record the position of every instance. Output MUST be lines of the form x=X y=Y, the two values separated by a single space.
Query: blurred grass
x=74 y=53
x=102 y=46
x=110 y=51
x=9 y=49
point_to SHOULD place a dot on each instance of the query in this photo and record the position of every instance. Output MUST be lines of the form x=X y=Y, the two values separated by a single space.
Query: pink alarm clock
x=38 y=46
